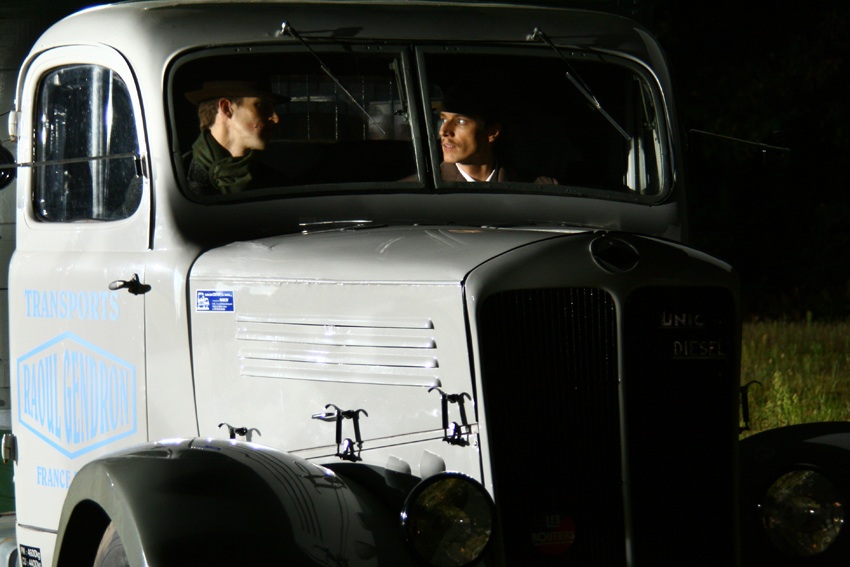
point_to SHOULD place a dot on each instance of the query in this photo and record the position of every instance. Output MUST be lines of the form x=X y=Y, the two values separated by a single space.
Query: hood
x=290 y=333
x=409 y=254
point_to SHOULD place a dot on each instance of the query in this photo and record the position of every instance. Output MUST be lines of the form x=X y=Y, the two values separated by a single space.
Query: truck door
x=76 y=311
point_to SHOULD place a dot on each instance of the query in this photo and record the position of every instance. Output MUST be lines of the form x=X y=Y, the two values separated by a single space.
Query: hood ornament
x=614 y=255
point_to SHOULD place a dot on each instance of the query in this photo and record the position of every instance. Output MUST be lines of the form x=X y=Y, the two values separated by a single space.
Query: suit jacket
x=449 y=172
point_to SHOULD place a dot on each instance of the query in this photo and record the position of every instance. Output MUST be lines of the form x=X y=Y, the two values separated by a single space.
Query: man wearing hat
x=470 y=125
x=236 y=120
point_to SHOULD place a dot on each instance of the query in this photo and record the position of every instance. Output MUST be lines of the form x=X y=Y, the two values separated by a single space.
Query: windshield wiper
x=287 y=29
x=402 y=95
x=579 y=84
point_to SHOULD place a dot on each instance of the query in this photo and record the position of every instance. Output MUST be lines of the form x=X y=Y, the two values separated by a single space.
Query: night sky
x=775 y=72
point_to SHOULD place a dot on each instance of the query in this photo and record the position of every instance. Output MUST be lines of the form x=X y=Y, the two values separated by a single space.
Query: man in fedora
x=470 y=126
x=236 y=120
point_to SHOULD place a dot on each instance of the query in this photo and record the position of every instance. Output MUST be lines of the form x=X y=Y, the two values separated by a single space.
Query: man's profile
x=236 y=119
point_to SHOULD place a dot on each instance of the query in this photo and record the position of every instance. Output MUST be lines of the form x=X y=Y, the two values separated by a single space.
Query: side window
x=86 y=147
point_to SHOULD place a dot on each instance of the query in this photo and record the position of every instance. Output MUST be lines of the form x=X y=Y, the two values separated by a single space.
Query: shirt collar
x=469 y=178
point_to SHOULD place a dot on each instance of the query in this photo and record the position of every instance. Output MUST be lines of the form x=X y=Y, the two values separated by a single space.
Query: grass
x=803 y=368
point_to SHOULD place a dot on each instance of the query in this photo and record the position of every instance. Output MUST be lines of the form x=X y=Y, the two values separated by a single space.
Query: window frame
x=90 y=129
x=400 y=51
x=129 y=234
x=665 y=157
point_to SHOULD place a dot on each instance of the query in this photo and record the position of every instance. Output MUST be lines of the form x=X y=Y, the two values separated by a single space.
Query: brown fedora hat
x=231 y=89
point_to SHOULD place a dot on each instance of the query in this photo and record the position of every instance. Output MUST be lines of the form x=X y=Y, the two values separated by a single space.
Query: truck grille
x=556 y=402
x=549 y=367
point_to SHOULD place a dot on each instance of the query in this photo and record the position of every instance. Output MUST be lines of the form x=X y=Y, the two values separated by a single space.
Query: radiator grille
x=555 y=405
x=549 y=367
x=681 y=394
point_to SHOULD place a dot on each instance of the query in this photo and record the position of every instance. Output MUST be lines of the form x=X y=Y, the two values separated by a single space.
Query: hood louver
x=374 y=351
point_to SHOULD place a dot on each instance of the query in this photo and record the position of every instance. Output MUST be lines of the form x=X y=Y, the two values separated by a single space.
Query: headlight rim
x=409 y=514
x=769 y=480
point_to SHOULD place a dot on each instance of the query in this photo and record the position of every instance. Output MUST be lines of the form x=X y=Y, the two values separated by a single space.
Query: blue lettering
x=51 y=403
x=54 y=304
x=104 y=401
x=88 y=402
x=91 y=314
x=97 y=397
x=39 y=396
x=66 y=304
x=81 y=306
x=35 y=301
x=74 y=397
x=72 y=304
x=113 y=304
x=44 y=302
x=68 y=398
x=27 y=401
x=55 y=478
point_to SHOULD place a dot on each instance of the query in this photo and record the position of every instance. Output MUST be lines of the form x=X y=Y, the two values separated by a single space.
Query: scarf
x=227 y=173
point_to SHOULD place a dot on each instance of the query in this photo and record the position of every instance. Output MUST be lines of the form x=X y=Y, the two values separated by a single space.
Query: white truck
x=365 y=362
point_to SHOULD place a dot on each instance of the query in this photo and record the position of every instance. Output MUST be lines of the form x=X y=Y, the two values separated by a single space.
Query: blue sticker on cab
x=215 y=301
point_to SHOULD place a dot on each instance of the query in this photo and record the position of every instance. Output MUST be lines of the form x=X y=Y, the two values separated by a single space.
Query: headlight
x=448 y=520
x=802 y=513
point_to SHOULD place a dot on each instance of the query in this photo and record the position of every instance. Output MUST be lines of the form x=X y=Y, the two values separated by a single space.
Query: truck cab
x=365 y=360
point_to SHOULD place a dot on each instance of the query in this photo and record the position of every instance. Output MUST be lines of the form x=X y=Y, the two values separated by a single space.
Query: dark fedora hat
x=231 y=89
x=475 y=98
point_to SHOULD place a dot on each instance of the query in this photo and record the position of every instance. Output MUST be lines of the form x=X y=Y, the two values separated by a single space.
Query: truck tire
x=110 y=552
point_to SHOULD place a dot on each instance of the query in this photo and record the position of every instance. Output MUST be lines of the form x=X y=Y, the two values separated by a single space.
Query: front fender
x=217 y=502
x=810 y=511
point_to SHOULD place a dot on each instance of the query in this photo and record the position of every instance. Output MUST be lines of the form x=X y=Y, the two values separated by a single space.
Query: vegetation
x=803 y=369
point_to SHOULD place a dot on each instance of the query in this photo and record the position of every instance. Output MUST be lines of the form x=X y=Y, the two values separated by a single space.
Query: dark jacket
x=230 y=175
x=449 y=172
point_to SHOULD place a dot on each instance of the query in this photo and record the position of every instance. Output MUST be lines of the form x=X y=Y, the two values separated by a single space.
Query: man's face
x=251 y=122
x=466 y=140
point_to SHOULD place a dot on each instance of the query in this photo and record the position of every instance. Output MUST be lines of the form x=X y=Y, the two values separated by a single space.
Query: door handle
x=134 y=286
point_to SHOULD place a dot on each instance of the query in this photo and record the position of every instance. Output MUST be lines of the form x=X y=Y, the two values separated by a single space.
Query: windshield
x=547 y=133
x=347 y=119
x=320 y=131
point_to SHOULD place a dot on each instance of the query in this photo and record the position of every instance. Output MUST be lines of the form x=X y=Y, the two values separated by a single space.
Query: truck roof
x=186 y=24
